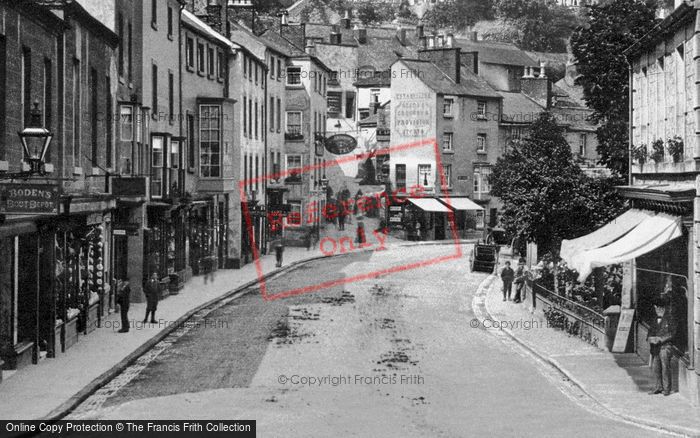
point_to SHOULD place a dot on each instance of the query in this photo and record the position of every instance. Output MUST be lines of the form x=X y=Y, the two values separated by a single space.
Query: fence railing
x=584 y=314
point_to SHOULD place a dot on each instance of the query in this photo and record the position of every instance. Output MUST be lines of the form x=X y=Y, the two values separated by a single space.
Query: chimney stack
x=447 y=59
x=345 y=21
x=283 y=18
x=336 y=36
x=538 y=88
x=214 y=15
x=310 y=48
x=543 y=68
x=361 y=34
x=401 y=35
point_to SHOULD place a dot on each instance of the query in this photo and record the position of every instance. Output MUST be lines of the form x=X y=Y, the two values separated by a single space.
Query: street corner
x=314 y=220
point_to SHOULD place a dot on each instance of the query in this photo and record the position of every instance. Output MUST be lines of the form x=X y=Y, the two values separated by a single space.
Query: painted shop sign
x=414 y=114
x=341 y=144
x=31 y=199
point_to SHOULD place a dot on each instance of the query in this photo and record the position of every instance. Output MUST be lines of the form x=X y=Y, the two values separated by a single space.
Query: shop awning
x=649 y=235
x=429 y=204
x=603 y=236
x=461 y=204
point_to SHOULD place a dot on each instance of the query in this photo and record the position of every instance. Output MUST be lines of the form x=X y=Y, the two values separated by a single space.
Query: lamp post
x=35 y=140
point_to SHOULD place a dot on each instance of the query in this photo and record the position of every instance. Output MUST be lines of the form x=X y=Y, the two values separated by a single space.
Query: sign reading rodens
x=31 y=199
x=341 y=144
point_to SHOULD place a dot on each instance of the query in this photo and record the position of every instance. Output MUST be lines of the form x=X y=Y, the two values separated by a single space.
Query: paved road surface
x=393 y=356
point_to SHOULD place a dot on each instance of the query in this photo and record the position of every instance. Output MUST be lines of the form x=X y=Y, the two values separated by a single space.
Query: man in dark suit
x=507 y=276
x=152 y=291
x=521 y=275
x=124 y=300
x=661 y=333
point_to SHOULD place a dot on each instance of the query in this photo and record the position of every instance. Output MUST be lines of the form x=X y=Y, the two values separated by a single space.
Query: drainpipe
x=696 y=214
x=629 y=121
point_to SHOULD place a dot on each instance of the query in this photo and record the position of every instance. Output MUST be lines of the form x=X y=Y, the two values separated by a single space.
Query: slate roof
x=381 y=53
x=491 y=52
x=469 y=85
x=518 y=108
x=287 y=48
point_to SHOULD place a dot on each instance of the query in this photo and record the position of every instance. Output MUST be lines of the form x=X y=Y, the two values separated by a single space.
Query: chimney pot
x=345 y=21
x=283 y=18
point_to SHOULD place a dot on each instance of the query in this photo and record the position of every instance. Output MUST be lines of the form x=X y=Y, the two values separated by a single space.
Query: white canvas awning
x=610 y=232
x=649 y=235
x=461 y=204
x=429 y=204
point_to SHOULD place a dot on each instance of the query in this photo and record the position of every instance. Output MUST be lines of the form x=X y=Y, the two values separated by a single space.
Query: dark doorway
x=27 y=290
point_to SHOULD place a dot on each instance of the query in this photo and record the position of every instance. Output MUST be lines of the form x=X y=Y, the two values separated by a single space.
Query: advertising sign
x=29 y=198
x=341 y=144
x=624 y=326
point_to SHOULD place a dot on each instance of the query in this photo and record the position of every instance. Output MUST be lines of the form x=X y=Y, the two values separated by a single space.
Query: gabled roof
x=437 y=80
x=289 y=49
x=491 y=52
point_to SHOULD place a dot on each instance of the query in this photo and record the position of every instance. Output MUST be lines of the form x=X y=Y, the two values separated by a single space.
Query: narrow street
x=251 y=357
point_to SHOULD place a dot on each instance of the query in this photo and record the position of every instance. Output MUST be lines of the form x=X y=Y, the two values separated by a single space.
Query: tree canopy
x=459 y=14
x=543 y=25
x=598 y=48
x=546 y=195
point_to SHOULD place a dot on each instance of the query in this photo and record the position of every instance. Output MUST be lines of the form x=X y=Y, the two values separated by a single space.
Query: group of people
x=517 y=276
x=123 y=298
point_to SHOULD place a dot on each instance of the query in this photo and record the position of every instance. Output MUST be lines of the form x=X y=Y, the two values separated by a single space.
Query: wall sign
x=624 y=326
x=341 y=144
x=29 y=198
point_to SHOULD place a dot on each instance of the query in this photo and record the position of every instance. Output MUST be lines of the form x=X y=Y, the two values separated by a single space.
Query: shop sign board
x=341 y=144
x=29 y=198
x=624 y=326
x=126 y=229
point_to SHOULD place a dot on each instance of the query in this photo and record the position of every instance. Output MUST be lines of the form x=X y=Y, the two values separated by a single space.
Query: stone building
x=56 y=72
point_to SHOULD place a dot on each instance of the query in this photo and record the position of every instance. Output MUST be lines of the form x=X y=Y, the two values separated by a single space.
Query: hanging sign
x=29 y=198
x=341 y=144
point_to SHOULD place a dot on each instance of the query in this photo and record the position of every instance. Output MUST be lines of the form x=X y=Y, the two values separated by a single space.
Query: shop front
x=201 y=238
x=165 y=241
x=426 y=219
x=466 y=215
x=654 y=244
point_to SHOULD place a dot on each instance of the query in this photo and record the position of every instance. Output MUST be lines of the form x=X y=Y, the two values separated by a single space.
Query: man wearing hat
x=661 y=333
x=521 y=275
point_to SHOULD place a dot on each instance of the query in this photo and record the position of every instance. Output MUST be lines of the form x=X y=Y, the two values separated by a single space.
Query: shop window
x=293 y=75
x=157 y=165
x=210 y=141
x=126 y=123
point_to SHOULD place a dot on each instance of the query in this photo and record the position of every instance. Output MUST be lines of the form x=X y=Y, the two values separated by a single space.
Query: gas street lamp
x=36 y=140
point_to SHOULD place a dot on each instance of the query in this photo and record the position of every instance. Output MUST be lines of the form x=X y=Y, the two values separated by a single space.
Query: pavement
x=618 y=382
x=46 y=389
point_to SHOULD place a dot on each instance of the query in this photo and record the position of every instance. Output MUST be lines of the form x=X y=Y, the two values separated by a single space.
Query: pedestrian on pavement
x=124 y=299
x=661 y=333
x=418 y=234
x=361 y=238
x=152 y=291
x=519 y=280
x=341 y=215
x=507 y=276
x=279 y=251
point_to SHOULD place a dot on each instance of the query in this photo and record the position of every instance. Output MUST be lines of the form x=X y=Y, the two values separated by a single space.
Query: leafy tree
x=459 y=14
x=546 y=196
x=370 y=13
x=598 y=48
x=543 y=25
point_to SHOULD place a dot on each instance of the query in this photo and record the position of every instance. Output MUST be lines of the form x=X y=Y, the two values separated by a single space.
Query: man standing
x=661 y=333
x=152 y=291
x=124 y=299
x=507 y=275
x=520 y=277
